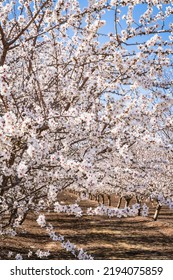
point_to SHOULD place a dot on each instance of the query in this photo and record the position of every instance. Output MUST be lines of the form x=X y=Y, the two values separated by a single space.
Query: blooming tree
x=81 y=107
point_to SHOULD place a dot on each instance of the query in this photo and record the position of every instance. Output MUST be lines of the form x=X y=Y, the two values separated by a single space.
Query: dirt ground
x=102 y=237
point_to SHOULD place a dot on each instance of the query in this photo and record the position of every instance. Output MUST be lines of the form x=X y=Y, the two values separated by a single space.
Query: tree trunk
x=103 y=199
x=127 y=201
x=156 y=214
x=139 y=202
x=109 y=200
x=23 y=219
x=13 y=216
x=119 y=202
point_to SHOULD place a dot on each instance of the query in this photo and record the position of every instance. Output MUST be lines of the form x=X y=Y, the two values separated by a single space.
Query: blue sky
x=109 y=17
x=138 y=11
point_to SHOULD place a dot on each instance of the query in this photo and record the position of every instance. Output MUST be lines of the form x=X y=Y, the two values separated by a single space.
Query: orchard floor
x=102 y=237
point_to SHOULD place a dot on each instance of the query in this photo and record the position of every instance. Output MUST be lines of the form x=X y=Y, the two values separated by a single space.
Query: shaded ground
x=102 y=237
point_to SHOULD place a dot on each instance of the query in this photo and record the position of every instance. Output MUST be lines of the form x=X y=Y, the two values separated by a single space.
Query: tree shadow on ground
x=102 y=237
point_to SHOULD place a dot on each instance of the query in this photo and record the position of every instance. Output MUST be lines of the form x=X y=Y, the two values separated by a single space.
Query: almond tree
x=56 y=130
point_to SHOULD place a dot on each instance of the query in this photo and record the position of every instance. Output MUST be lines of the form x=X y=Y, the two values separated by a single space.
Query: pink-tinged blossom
x=41 y=221
x=18 y=257
x=31 y=151
x=22 y=169
x=41 y=254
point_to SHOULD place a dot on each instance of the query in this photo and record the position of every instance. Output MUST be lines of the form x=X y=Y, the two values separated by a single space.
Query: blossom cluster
x=79 y=253
x=4 y=80
x=104 y=210
x=73 y=209
x=42 y=254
